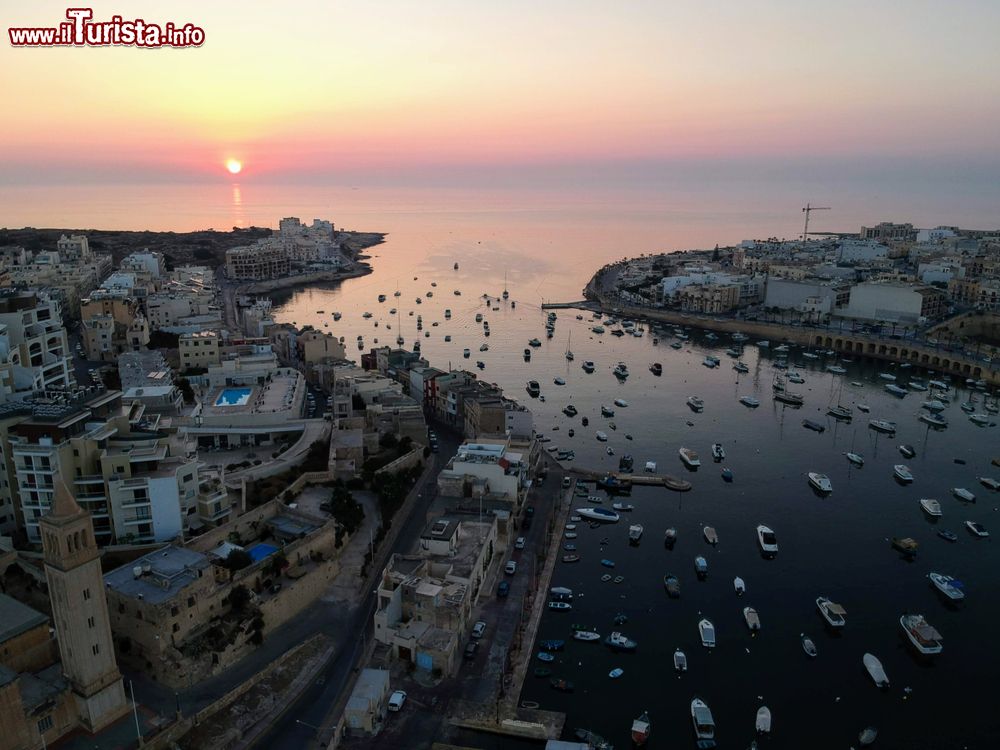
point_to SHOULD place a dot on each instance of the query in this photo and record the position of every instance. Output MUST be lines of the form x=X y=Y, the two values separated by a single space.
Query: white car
x=511 y=567
x=396 y=700
x=519 y=543
x=479 y=629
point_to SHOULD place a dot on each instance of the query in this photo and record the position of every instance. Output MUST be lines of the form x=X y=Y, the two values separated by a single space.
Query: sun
x=234 y=166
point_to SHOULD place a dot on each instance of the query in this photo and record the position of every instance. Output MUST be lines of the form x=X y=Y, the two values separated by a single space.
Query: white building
x=788 y=294
x=861 y=251
x=36 y=338
x=895 y=302
x=941 y=271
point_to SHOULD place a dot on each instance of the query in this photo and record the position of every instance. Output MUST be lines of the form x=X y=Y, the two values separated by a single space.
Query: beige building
x=365 y=711
x=709 y=298
x=198 y=350
x=268 y=259
x=105 y=338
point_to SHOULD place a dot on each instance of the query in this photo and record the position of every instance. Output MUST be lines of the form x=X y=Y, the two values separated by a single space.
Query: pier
x=652 y=480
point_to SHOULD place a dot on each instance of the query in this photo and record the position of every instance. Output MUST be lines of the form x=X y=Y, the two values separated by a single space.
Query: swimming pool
x=233 y=396
x=261 y=550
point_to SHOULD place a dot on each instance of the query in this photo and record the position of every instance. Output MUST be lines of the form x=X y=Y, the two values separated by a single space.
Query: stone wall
x=403 y=463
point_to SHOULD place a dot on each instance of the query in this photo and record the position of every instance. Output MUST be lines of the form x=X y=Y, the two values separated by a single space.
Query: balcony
x=89 y=479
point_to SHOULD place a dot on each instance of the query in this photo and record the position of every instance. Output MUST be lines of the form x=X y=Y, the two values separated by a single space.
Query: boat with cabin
x=680 y=661
x=750 y=401
x=931 y=507
x=617 y=641
x=902 y=473
x=696 y=403
x=690 y=458
x=706 y=630
x=834 y=614
x=672 y=585
x=752 y=619
x=641 y=729
x=820 y=483
x=718 y=452
x=603 y=515
x=701 y=567
x=635 y=533
x=767 y=540
x=924 y=637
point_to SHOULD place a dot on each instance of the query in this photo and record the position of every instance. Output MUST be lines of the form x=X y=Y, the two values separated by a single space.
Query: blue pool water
x=233 y=396
x=259 y=551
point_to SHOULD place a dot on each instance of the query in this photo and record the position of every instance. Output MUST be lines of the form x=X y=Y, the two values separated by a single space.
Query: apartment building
x=198 y=350
x=70 y=271
x=896 y=302
x=105 y=338
x=268 y=259
x=36 y=343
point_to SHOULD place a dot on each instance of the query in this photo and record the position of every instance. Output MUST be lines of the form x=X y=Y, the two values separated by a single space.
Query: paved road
x=297 y=727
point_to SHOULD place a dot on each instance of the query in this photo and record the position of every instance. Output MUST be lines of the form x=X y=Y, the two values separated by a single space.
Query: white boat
x=598 y=514
x=741 y=367
x=763 y=723
x=963 y=494
x=934 y=405
x=934 y=420
x=559 y=381
x=895 y=390
x=950 y=587
x=680 y=661
x=882 y=425
x=739 y=585
x=701 y=717
x=931 y=507
x=925 y=638
x=614 y=674
x=808 y=645
x=752 y=619
x=767 y=540
x=710 y=536
x=696 y=403
x=989 y=483
x=887 y=376
x=621 y=402
x=902 y=473
x=977 y=529
x=855 y=458
x=836 y=369
x=750 y=401
x=765 y=344
x=635 y=532
x=710 y=362
x=874 y=667
x=707 y=631
x=586 y=635
x=864 y=408
x=718 y=452
x=834 y=614
x=980 y=419
x=821 y=482
x=690 y=458
x=602 y=436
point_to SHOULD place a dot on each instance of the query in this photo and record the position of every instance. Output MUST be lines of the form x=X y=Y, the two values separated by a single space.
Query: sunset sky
x=297 y=90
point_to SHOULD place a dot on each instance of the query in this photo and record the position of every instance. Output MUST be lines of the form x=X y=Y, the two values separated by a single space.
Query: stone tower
x=80 y=610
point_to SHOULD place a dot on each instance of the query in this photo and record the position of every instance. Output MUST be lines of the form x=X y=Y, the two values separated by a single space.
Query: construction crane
x=807 y=210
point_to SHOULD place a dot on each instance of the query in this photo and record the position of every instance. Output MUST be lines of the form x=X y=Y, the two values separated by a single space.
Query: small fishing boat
x=948 y=536
x=586 y=635
x=619 y=579
x=704 y=723
x=608 y=563
x=618 y=642
x=545 y=656
x=834 y=614
x=902 y=473
x=925 y=638
x=821 y=483
x=808 y=645
x=875 y=670
x=672 y=585
x=741 y=367
x=867 y=736
x=602 y=515
x=560 y=606
x=680 y=661
x=763 y=723
x=718 y=452
x=727 y=475
x=690 y=458
x=931 y=507
x=750 y=401
x=977 y=529
x=882 y=425
x=855 y=458
x=864 y=407
x=752 y=619
x=707 y=632
x=907 y=451
x=813 y=425
x=601 y=436
x=767 y=540
x=963 y=494
x=989 y=483
x=606 y=577
x=701 y=566
x=570 y=558
x=740 y=586
x=620 y=402
x=615 y=673
x=641 y=728
x=670 y=538
x=952 y=588
x=895 y=390
x=710 y=536
x=696 y=403
x=635 y=533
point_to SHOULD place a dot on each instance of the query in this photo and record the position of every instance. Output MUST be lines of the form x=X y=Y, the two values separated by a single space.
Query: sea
x=542 y=245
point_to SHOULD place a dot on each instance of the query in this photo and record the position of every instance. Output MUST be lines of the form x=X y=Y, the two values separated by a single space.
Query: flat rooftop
x=170 y=569
x=17 y=618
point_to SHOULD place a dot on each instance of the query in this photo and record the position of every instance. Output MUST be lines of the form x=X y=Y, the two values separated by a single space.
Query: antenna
x=809 y=208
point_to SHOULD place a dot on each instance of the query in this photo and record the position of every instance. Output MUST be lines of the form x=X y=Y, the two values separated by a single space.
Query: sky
x=405 y=90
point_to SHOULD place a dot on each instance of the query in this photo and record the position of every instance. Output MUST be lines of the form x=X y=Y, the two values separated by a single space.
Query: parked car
x=510 y=568
x=519 y=543
x=503 y=589
x=396 y=700
x=566 y=482
x=479 y=629
x=470 y=650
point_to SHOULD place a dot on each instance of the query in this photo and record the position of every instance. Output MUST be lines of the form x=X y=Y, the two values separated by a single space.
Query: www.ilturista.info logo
x=81 y=31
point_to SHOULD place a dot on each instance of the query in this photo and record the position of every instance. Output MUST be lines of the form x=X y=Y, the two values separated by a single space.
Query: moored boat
x=925 y=638
x=586 y=635
x=906 y=545
x=874 y=668
x=670 y=538
x=834 y=614
x=635 y=533
x=763 y=722
x=598 y=514
x=640 y=730
x=680 y=661
x=618 y=642
x=752 y=619
x=902 y=473
x=882 y=425
x=740 y=586
x=963 y=494
x=710 y=536
x=690 y=458
x=951 y=587
x=907 y=451
x=701 y=717
x=706 y=630
x=718 y=452
x=767 y=540
x=931 y=507
x=855 y=458
x=977 y=529
x=672 y=585
x=750 y=401
x=696 y=403
x=701 y=566
x=820 y=482
x=808 y=645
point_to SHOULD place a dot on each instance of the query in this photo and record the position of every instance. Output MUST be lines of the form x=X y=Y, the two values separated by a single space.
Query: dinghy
x=739 y=585
x=874 y=667
x=763 y=720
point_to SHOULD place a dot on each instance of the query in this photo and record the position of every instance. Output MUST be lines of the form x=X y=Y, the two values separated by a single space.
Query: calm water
x=548 y=244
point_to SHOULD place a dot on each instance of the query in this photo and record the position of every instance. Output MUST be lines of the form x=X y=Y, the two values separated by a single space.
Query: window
x=173 y=611
x=44 y=724
x=96 y=649
x=86 y=595
x=90 y=622
x=176 y=627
